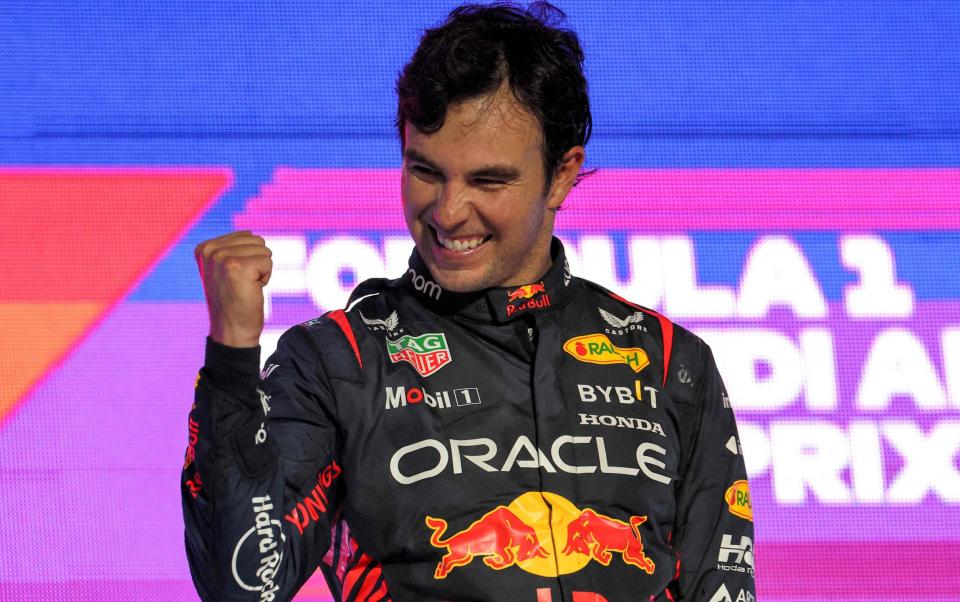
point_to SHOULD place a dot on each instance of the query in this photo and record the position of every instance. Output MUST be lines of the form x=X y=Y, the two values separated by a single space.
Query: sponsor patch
x=388 y=324
x=735 y=557
x=527 y=297
x=737 y=497
x=310 y=508
x=398 y=397
x=430 y=458
x=424 y=285
x=541 y=533
x=618 y=326
x=194 y=485
x=264 y=401
x=723 y=595
x=628 y=422
x=611 y=393
x=427 y=353
x=265 y=539
x=194 y=437
x=597 y=349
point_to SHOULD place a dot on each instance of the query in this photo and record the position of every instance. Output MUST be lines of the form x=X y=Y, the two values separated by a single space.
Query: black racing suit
x=548 y=442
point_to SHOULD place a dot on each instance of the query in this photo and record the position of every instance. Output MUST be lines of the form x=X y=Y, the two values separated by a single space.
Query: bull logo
x=596 y=535
x=527 y=291
x=526 y=298
x=499 y=536
x=541 y=533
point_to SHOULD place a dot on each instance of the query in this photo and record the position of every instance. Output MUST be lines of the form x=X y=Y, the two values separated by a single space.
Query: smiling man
x=477 y=198
x=487 y=426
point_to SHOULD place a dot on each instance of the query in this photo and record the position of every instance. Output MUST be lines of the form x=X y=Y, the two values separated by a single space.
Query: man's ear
x=565 y=176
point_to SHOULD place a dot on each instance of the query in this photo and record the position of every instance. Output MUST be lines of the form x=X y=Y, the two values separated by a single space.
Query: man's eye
x=420 y=169
x=488 y=182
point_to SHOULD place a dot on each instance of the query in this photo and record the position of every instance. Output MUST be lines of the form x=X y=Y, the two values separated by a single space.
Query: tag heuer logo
x=427 y=353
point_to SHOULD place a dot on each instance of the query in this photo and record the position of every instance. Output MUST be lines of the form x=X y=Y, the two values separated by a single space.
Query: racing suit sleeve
x=714 y=538
x=261 y=478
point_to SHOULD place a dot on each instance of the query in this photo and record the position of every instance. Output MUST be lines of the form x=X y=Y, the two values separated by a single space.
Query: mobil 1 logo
x=398 y=397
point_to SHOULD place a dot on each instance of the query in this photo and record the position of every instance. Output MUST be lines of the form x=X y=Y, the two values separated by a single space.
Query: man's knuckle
x=232 y=263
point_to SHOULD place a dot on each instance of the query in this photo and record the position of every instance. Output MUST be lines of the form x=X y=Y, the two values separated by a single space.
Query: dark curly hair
x=478 y=48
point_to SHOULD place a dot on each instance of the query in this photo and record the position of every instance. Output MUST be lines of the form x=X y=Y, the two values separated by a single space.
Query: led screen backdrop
x=783 y=180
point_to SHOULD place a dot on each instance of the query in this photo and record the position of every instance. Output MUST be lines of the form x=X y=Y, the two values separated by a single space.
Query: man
x=487 y=427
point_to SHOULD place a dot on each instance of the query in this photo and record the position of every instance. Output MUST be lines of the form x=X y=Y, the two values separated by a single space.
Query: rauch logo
x=597 y=349
x=737 y=497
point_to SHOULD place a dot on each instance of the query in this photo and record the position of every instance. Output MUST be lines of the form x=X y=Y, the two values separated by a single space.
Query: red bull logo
x=499 y=536
x=527 y=291
x=524 y=532
x=528 y=296
x=596 y=535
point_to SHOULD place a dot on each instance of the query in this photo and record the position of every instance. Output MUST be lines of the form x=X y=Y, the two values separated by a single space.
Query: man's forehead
x=494 y=123
x=497 y=111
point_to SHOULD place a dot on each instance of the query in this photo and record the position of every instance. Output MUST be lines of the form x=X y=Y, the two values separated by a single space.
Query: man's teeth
x=460 y=245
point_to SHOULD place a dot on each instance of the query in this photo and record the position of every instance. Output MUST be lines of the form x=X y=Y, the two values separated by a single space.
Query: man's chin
x=460 y=281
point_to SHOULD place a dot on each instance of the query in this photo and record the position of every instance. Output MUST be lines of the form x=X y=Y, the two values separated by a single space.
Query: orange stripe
x=37 y=336
x=58 y=281
x=90 y=234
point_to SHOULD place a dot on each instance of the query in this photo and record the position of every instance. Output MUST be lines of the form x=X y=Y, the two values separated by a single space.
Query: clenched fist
x=234 y=269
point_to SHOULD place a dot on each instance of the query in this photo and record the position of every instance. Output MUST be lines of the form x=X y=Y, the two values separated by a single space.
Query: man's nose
x=452 y=206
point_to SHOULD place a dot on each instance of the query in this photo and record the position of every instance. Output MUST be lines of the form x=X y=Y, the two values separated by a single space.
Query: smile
x=462 y=244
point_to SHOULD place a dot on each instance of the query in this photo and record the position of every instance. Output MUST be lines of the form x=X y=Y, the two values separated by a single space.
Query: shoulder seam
x=340 y=319
x=666 y=332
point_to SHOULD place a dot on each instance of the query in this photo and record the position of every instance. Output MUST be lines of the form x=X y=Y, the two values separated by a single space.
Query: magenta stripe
x=879 y=570
x=667 y=199
x=124 y=590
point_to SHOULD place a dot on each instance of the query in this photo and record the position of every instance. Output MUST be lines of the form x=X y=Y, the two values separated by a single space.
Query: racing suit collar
x=497 y=304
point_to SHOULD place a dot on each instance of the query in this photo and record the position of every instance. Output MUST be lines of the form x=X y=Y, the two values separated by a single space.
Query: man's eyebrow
x=496 y=172
x=413 y=155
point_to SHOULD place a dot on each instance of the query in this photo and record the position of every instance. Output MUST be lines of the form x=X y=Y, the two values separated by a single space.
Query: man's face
x=474 y=195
